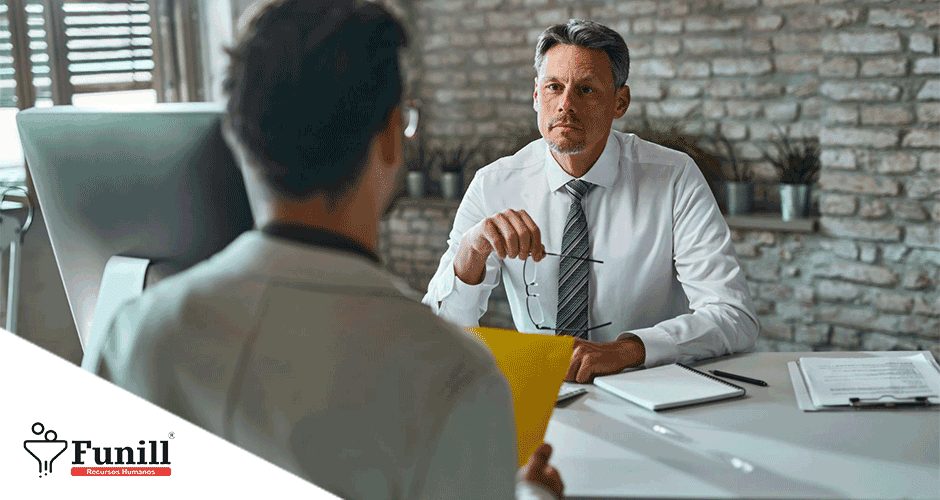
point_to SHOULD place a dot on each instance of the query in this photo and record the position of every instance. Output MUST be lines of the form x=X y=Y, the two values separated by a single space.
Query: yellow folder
x=535 y=366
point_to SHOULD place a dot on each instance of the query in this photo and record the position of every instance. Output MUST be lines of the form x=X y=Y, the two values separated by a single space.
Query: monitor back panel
x=157 y=183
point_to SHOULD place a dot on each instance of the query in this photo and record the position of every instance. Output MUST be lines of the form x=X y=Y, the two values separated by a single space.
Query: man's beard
x=565 y=150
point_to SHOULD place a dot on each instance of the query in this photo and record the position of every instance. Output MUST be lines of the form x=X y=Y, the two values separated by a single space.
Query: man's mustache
x=568 y=121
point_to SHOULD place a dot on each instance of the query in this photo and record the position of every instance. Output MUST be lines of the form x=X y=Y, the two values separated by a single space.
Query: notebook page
x=665 y=387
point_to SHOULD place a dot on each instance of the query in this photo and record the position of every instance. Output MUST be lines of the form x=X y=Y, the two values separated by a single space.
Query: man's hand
x=511 y=234
x=538 y=471
x=591 y=359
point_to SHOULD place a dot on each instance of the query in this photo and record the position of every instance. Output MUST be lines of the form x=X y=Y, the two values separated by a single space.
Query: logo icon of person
x=45 y=451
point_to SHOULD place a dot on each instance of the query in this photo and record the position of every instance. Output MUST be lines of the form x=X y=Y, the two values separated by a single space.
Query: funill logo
x=149 y=453
x=46 y=450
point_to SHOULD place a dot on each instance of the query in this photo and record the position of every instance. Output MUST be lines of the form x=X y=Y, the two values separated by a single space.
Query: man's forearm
x=469 y=265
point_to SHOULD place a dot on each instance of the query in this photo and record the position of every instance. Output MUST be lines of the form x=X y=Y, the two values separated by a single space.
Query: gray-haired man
x=597 y=233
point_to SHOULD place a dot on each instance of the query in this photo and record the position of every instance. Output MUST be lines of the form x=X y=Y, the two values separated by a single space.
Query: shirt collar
x=602 y=173
x=315 y=236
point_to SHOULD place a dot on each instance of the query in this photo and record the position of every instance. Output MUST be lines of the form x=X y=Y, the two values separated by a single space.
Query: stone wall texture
x=859 y=76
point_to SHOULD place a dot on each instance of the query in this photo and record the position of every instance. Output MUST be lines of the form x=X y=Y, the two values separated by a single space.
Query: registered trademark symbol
x=172 y=435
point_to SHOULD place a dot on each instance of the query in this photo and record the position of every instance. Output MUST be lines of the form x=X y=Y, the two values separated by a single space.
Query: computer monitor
x=156 y=183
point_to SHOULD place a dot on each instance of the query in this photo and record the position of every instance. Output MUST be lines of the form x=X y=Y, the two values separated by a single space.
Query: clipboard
x=887 y=401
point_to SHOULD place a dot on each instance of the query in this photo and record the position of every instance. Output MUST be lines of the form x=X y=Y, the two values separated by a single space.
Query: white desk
x=759 y=446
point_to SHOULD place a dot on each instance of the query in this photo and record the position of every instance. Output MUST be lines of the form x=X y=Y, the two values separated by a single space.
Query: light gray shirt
x=669 y=276
x=316 y=360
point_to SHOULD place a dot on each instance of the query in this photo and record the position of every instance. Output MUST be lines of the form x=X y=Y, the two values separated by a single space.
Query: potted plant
x=736 y=179
x=421 y=161
x=453 y=165
x=797 y=162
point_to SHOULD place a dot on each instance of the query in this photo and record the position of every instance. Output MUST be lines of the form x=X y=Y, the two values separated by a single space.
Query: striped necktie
x=573 y=273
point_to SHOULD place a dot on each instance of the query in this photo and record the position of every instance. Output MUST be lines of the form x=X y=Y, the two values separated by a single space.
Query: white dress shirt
x=670 y=274
x=315 y=359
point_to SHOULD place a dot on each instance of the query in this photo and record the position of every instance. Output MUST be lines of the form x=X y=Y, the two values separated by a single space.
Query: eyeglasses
x=530 y=276
x=410 y=114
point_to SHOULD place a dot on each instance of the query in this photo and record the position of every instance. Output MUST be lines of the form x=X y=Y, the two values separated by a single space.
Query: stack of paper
x=834 y=383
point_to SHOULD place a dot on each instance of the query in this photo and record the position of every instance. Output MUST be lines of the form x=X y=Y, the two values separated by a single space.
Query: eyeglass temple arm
x=573 y=257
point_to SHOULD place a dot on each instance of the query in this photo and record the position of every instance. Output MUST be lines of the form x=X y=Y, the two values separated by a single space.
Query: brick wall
x=861 y=76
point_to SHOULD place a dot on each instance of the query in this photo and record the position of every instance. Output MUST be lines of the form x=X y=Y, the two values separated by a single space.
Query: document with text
x=833 y=381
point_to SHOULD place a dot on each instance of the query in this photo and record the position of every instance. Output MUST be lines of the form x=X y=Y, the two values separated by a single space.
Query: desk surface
x=759 y=446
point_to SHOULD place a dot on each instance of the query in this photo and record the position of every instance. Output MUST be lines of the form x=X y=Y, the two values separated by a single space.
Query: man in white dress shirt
x=293 y=342
x=663 y=283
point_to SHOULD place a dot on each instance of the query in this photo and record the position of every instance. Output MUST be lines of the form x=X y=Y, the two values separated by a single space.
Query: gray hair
x=589 y=35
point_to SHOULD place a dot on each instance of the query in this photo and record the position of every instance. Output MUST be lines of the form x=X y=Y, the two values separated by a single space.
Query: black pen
x=739 y=378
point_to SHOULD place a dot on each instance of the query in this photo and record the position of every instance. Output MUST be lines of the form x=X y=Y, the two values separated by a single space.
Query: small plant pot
x=739 y=197
x=794 y=201
x=451 y=185
x=416 y=184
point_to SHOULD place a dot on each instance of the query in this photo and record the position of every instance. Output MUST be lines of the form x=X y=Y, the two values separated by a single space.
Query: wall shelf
x=772 y=222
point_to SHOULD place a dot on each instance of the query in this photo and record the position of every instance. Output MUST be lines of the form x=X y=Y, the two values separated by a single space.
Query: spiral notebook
x=668 y=386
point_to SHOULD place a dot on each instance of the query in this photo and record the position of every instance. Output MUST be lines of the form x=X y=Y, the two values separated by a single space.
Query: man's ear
x=535 y=95
x=388 y=140
x=623 y=100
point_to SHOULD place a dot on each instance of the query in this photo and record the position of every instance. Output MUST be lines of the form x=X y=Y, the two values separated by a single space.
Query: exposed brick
x=837 y=291
x=694 y=70
x=762 y=307
x=885 y=66
x=666 y=46
x=916 y=279
x=743 y=109
x=921 y=43
x=713 y=45
x=670 y=26
x=893 y=18
x=859 y=91
x=806 y=21
x=923 y=236
x=776 y=331
x=858 y=137
x=787 y=3
x=798 y=63
x=897 y=163
x=796 y=43
x=708 y=23
x=868 y=252
x=646 y=89
x=771 y=89
x=785 y=112
x=725 y=88
x=874 y=209
x=836 y=18
x=775 y=291
x=833 y=204
x=738 y=4
x=838 y=158
x=644 y=26
x=762 y=271
x=713 y=109
x=922 y=187
x=908 y=210
x=928 y=112
x=503 y=37
x=464 y=40
x=747 y=249
x=765 y=22
x=673 y=8
x=866 y=319
x=930 y=91
x=920 y=326
x=836 y=114
x=656 y=68
x=893 y=302
x=926 y=307
x=672 y=108
x=813 y=334
x=734 y=131
x=920 y=138
x=859 y=229
x=510 y=19
x=930 y=161
x=845 y=67
x=845 y=337
x=886 y=115
x=895 y=253
x=685 y=89
x=884 y=342
x=862 y=43
x=735 y=67
x=927 y=66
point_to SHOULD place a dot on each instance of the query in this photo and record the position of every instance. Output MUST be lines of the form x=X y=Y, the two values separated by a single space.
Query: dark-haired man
x=641 y=267
x=292 y=342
